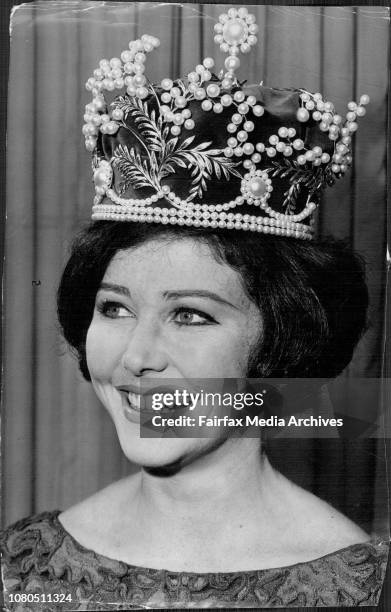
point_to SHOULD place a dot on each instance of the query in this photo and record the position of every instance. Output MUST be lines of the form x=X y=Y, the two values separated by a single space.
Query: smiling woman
x=201 y=265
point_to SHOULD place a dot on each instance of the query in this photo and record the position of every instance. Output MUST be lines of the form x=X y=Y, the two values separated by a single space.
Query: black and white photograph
x=195 y=406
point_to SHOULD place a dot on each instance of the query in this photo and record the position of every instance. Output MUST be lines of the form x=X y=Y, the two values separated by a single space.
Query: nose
x=144 y=351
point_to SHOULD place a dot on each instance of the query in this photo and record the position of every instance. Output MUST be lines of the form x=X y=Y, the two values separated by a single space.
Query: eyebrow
x=172 y=295
x=120 y=289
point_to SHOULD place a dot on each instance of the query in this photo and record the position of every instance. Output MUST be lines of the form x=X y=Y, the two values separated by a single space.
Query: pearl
x=323 y=126
x=186 y=114
x=208 y=62
x=351 y=116
x=111 y=127
x=213 y=90
x=327 y=117
x=226 y=83
x=298 y=144
x=139 y=68
x=317 y=151
x=142 y=92
x=352 y=126
x=280 y=146
x=317 y=115
x=243 y=108
x=271 y=152
x=232 y=63
x=206 y=105
x=257 y=187
x=335 y=168
x=139 y=80
x=108 y=84
x=119 y=83
x=189 y=124
x=288 y=151
x=248 y=148
x=310 y=105
x=302 y=115
x=273 y=139
x=248 y=126
x=245 y=47
x=178 y=119
x=226 y=100
x=192 y=77
x=129 y=68
x=234 y=32
x=175 y=92
x=175 y=130
x=346 y=140
x=305 y=96
x=341 y=148
x=97 y=119
x=232 y=142
x=260 y=147
x=181 y=102
x=199 y=94
x=165 y=97
x=117 y=114
x=256 y=158
x=242 y=12
x=166 y=84
x=258 y=110
x=283 y=132
x=236 y=118
x=228 y=152
x=352 y=106
x=239 y=96
x=365 y=99
x=218 y=108
x=301 y=160
x=360 y=111
x=238 y=151
x=218 y=39
x=242 y=136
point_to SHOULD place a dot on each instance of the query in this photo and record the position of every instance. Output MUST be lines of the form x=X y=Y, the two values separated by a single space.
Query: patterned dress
x=44 y=569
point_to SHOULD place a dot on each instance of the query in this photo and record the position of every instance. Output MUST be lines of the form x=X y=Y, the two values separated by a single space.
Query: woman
x=207 y=522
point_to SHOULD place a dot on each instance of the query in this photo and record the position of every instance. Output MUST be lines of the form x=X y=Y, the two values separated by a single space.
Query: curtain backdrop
x=58 y=444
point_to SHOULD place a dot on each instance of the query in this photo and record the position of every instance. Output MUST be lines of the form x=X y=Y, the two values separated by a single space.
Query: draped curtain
x=59 y=446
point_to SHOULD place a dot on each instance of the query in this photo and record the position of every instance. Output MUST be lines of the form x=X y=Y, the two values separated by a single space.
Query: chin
x=151 y=453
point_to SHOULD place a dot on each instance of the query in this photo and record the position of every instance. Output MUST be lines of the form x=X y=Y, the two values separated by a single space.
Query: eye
x=113 y=310
x=192 y=317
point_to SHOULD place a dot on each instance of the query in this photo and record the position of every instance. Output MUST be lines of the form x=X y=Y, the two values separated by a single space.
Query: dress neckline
x=54 y=516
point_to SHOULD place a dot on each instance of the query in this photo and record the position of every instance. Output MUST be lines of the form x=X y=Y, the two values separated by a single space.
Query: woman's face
x=166 y=310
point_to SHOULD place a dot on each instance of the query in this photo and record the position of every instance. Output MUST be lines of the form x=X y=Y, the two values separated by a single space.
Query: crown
x=209 y=150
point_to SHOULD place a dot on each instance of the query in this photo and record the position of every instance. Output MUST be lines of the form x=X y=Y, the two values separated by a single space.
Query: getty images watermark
x=243 y=407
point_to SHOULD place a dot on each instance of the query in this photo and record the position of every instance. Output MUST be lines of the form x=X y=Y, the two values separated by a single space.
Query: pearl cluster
x=214 y=220
x=236 y=31
x=313 y=106
x=117 y=73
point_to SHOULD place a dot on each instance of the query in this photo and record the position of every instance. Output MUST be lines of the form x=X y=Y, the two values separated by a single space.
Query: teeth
x=134 y=400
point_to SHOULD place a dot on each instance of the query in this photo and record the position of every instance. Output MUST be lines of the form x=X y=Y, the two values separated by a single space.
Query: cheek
x=103 y=351
x=224 y=356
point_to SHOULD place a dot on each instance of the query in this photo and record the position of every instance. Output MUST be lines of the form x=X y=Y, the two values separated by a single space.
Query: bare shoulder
x=95 y=516
x=322 y=528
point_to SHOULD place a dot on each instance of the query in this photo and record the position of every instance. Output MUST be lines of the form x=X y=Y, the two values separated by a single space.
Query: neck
x=230 y=482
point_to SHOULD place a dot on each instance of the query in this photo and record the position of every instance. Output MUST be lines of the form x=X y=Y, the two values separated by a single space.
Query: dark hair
x=313 y=297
